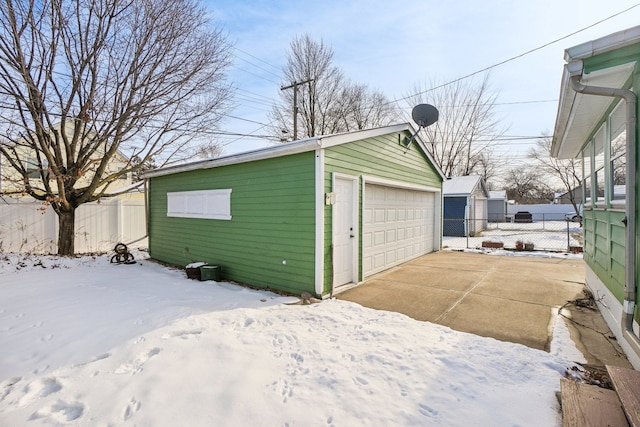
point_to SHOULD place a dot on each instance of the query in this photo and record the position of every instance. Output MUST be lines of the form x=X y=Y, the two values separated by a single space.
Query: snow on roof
x=461 y=185
x=498 y=194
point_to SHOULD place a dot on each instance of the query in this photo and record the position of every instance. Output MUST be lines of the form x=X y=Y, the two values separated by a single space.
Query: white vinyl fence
x=28 y=226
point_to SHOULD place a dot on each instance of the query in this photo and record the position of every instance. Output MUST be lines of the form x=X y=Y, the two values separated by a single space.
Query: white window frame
x=599 y=178
x=202 y=204
x=620 y=201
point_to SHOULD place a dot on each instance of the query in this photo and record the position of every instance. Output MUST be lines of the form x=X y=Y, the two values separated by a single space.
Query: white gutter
x=630 y=293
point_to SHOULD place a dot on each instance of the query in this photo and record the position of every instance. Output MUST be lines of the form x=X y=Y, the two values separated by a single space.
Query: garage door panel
x=366 y=241
x=378 y=239
x=401 y=253
x=379 y=260
x=391 y=236
x=391 y=214
x=403 y=232
x=379 y=216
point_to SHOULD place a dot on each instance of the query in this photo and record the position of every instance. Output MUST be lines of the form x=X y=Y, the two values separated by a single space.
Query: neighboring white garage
x=399 y=224
x=465 y=205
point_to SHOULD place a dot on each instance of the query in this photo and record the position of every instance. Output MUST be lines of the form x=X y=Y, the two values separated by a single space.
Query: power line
x=526 y=102
x=259 y=59
x=518 y=56
x=255 y=94
x=258 y=76
x=245 y=120
x=259 y=67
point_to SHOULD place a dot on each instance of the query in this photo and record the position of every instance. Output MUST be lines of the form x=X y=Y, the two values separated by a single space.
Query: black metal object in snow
x=122 y=255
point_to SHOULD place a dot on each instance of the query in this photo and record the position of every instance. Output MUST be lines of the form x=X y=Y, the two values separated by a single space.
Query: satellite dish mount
x=424 y=115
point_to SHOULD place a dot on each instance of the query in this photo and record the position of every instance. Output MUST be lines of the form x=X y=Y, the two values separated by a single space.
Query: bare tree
x=82 y=82
x=460 y=140
x=567 y=171
x=360 y=108
x=526 y=185
x=327 y=102
x=489 y=165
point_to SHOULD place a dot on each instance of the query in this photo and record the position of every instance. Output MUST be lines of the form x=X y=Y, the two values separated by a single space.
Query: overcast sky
x=394 y=46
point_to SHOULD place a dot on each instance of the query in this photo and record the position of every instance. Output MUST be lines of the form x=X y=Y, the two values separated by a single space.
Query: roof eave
x=577 y=113
x=249 y=156
x=296 y=147
x=605 y=44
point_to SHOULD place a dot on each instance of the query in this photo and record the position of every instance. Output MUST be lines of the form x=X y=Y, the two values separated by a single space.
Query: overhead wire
x=513 y=58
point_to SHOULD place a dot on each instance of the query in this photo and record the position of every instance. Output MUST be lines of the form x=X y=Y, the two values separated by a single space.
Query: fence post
x=467 y=232
x=50 y=230
x=120 y=219
x=568 y=237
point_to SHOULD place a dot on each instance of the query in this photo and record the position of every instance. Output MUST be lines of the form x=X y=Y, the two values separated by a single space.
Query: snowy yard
x=88 y=343
x=545 y=235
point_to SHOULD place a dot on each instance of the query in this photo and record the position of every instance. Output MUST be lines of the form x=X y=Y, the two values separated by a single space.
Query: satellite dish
x=424 y=115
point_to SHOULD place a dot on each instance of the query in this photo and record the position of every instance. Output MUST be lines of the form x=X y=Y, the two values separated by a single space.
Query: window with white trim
x=586 y=173
x=618 y=159
x=204 y=204
x=598 y=165
x=33 y=168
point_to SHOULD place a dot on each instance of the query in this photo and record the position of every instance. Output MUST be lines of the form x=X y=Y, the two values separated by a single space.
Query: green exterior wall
x=604 y=232
x=604 y=247
x=380 y=157
x=273 y=209
x=273 y=219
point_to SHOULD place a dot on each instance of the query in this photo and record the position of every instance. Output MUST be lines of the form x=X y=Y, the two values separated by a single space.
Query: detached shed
x=497 y=206
x=465 y=205
x=305 y=216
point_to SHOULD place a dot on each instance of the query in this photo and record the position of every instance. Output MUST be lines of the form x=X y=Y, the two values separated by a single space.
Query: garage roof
x=295 y=147
x=463 y=185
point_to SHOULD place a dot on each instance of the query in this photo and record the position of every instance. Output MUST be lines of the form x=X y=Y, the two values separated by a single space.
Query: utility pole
x=295 y=85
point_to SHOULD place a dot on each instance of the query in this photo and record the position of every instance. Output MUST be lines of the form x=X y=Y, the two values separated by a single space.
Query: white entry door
x=345 y=231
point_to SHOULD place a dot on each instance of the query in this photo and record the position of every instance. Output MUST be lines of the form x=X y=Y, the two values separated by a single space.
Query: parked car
x=573 y=217
x=523 y=216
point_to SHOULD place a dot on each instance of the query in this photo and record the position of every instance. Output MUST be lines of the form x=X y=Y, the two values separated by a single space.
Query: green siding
x=604 y=248
x=605 y=243
x=612 y=59
x=380 y=157
x=273 y=219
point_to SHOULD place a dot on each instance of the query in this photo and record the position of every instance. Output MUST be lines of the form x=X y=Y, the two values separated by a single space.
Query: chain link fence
x=537 y=232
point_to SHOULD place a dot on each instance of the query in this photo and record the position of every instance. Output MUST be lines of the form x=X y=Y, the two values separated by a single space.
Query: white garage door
x=398 y=225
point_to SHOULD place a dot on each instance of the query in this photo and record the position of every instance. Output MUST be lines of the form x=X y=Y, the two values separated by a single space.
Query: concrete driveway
x=505 y=297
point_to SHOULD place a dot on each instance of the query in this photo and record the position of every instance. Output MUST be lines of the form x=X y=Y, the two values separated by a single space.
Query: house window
x=598 y=165
x=32 y=167
x=124 y=176
x=205 y=204
x=618 y=139
x=586 y=173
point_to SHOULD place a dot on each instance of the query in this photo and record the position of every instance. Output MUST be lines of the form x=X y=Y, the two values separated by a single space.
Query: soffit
x=579 y=114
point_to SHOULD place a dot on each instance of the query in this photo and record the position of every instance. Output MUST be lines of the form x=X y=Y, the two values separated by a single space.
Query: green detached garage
x=314 y=215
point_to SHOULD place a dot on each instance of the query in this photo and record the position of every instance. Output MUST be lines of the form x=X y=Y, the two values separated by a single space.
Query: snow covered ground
x=84 y=342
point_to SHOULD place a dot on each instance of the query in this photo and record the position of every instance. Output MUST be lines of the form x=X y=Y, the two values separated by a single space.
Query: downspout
x=630 y=294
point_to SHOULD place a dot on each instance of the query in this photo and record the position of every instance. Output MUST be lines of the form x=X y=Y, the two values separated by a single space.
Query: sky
x=393 y=47
x=87 y=343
